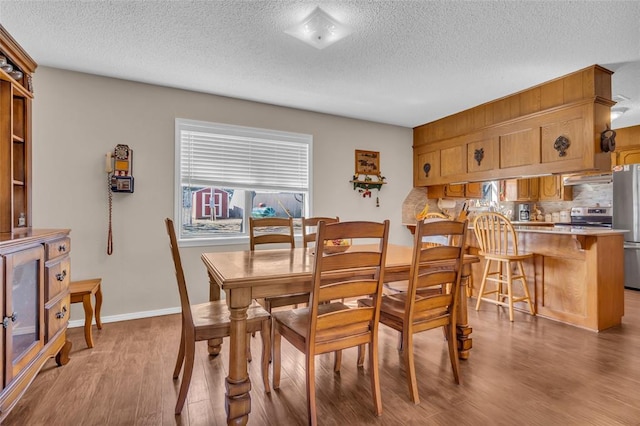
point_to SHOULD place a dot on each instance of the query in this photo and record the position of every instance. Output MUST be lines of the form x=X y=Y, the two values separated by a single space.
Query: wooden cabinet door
x=521 y=189
x=24 y=304
x=426 y=165
x=520 y=148
x=572 y=129
x=473 y=190
x=481 y=155
x=453 y=161
x=551 y=189
x=627 y=156
x=455 y=190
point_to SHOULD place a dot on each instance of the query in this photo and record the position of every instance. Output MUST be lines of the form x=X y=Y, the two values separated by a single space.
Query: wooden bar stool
x=81 y=291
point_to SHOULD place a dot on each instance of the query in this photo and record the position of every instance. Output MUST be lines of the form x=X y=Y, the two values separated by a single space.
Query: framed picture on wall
x=367 y=162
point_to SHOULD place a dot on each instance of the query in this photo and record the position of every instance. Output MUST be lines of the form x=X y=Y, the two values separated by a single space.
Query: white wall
x=78 y=117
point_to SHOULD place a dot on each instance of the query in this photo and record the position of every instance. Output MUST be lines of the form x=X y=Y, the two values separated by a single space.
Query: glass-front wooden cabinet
x=23 y=316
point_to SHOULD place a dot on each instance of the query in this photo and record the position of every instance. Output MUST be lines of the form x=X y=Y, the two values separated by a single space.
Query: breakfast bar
x=576 y=275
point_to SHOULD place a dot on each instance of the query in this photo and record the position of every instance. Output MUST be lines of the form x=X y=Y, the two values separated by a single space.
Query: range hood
x=587 y=179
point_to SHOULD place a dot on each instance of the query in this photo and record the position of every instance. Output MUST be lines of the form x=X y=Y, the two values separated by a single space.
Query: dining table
x=247 y=275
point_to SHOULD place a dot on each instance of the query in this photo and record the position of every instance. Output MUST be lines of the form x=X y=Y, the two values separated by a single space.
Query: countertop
x=570 y=230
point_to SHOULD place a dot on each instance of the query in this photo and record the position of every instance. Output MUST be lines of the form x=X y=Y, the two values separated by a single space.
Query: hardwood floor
x=530 y=372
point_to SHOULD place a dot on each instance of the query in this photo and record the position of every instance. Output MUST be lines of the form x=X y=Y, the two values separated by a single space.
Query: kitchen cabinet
x=550 y=188
x=461 y=190
x=552 y=128
x=426 y=166
x=521 y=189
x=627 y=155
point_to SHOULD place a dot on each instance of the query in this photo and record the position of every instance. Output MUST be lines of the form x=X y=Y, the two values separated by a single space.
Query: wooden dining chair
x=432 y=296
x=327 y=325
x=499 y=246
x=207 y=321
x=310 y=226
x=279 y=231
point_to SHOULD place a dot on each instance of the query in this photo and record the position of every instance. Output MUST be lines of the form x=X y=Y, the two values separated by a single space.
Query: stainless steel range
x=599 y=217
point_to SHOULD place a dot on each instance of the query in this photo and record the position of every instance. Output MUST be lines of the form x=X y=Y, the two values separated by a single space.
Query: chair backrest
x=434 y=277
x=495 y=234
x=355 y=272
x=310 y=225
x=270 y=230
x=182 y=285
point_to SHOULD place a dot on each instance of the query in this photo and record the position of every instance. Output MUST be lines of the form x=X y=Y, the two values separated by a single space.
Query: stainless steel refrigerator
x=626 y=215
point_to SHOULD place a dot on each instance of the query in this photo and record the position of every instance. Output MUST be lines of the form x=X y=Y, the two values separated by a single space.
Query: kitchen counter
x=576 y=275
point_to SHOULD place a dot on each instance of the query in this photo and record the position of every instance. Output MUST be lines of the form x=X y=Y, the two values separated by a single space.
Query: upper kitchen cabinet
x=550 y=188
x=551 y=128
x=15 y=134
x=521 y=189
x=627 y=146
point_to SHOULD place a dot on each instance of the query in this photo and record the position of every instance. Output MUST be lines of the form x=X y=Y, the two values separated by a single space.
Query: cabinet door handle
x=61 y=276
x=62 y=248
x=5 y=320
x=62 y=313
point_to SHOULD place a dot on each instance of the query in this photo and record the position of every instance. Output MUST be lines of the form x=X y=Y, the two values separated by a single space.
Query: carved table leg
x=238 y=385
x=463 y=331
x=214 y=345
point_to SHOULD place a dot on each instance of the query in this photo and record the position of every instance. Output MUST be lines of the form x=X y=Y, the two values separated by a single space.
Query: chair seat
x=394 y=305
x=211 y=319
x=298 y=319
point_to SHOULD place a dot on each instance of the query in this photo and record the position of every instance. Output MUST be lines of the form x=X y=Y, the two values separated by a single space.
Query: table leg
x=238 y=384
x=463 y=330
x=214 y=345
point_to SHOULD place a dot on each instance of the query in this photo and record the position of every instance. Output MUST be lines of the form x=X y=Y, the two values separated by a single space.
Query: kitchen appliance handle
x=631 y=245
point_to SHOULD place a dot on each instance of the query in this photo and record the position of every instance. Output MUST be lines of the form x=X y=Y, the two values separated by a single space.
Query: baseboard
x=127 y=317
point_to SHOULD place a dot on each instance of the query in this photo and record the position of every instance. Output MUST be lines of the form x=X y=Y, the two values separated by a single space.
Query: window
x=226 y=173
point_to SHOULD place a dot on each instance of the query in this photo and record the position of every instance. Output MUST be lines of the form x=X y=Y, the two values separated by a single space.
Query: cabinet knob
x=62 y=248
x=62 y=313
x=61 y=276
x=5 y=320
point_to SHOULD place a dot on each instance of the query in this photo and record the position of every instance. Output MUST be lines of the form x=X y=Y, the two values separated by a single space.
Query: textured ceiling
x=406 y=63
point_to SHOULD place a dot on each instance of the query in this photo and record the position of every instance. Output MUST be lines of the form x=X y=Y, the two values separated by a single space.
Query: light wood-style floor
x=530 y=372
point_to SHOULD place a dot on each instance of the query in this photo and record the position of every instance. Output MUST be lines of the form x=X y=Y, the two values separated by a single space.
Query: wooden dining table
x=247 y=275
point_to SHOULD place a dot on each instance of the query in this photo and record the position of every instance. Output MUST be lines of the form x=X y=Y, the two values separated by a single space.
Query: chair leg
x=483 y=283
x=265 y=333
x=249 y=358
x=410 y=368
x=400 y=342
x=275 y=350
x=532 y=310
x=361 y=349
x=375 y=375
x=311 y=389
x=337 y=361
x=510 y=291
x=179 y=361
x=88 y=319
x=453 y=350
x=186 y=374
x=98 y=307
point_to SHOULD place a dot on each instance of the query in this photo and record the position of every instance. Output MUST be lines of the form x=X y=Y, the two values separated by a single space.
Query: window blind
x=213 y=154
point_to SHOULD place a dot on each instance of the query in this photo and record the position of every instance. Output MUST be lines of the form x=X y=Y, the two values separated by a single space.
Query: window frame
x=235 y=239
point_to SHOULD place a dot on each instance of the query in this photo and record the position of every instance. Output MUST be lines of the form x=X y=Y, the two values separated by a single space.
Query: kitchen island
x=576 y=275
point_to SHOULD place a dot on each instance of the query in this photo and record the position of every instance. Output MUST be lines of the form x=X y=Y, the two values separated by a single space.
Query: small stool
x=81 y=291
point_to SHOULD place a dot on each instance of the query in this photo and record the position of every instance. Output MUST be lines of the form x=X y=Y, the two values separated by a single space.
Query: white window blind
x=213 y=154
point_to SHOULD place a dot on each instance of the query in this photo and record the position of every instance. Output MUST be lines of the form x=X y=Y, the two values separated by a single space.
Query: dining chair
x=499 y=246
x=432 y=296
x=327 y=325
x=207 y=321
x=275 y=230
x=310 y=226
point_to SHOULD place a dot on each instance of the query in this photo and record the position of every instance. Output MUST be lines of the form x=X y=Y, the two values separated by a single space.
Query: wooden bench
x=81 y=291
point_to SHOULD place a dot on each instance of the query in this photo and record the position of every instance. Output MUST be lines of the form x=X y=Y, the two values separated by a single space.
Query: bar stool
x=499 y=246
x=81 y=291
